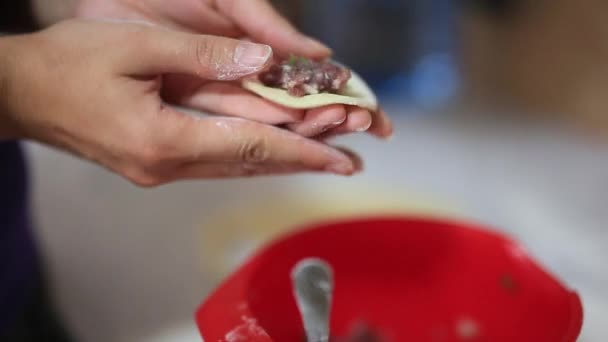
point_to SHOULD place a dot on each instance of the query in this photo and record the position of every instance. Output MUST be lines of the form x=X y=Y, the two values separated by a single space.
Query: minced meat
x=300 y=76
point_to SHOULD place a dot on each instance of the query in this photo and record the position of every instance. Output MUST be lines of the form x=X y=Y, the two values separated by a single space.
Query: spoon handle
x=313 y=286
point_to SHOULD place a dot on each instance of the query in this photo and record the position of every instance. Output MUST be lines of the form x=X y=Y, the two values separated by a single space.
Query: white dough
x=356 y=93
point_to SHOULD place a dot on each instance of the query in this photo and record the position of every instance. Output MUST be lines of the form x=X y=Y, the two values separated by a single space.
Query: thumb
x=209 y=57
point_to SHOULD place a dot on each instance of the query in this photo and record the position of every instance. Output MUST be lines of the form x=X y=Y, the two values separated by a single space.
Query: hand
x=258 y=21
x=92 y=88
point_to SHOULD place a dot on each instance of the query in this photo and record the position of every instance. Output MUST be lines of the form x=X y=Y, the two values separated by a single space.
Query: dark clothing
x=25 y=312
x=18 y=260
x=35 y=320
x=16 y=16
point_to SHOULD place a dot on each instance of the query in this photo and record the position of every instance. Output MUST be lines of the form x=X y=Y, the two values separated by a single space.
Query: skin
x=94 y=88
x=256 y=20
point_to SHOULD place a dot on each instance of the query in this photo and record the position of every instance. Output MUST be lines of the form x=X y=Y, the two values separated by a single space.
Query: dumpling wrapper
x=356 y=93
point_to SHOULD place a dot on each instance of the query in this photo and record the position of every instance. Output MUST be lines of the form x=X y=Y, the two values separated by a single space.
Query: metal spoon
x=313 y=286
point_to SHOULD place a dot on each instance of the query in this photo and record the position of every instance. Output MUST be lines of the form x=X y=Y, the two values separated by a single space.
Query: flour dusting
x=248 y=331
x=467 y=329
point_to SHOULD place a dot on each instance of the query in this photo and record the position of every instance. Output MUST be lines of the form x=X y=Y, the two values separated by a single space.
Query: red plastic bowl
x=415 y=279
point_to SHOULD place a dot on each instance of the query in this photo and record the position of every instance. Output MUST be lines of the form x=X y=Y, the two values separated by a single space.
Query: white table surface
x=128 y=264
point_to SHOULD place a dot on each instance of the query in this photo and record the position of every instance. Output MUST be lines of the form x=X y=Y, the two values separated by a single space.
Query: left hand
x=253 y=19
x=94 y=90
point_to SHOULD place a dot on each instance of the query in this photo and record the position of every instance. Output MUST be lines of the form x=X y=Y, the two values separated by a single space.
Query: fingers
x=232 y=100
x=196 y=16
x=258 y=19
x=221 y=140
x=197 y=170
x=182 y=146
x=233 y=170
x=361 y=120
x=319 y=120
x=242 y=141
x=357 y=120
x=382 y=126
x=156 y=50
x=243 y=169
x=358 y=162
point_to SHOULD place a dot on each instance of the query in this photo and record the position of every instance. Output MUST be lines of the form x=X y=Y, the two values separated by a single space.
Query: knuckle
x=149 y=161
x=143 y=178
x=149 y=157
x=153 y=149
x=213 y=56
x=255 y=151
x=203 y=51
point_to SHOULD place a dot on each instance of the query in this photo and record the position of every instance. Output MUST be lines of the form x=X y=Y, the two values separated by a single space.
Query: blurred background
x=500 y=113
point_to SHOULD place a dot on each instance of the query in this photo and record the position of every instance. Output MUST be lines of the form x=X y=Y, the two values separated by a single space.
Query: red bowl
x=415 y=279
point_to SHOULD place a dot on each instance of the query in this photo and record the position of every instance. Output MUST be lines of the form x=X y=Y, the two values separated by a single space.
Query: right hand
x=93 y=88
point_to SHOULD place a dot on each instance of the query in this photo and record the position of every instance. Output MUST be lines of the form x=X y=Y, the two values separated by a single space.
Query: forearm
x=8 y=126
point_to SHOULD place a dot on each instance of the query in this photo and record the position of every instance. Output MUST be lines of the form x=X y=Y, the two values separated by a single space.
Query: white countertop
x=132 y=265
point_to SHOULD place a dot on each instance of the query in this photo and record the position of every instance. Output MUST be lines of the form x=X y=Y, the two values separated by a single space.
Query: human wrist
x=11 y=47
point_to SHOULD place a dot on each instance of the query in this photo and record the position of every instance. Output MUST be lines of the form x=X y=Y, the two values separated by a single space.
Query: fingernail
x=364 y=128
x=341 y=168
x=252 y=55
x=389 y=134
x=384 y=137
x=332 y=125
x=339 y=122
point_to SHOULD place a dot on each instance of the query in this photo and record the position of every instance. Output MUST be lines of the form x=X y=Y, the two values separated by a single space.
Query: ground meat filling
x=300 y=76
